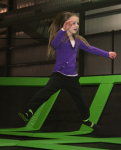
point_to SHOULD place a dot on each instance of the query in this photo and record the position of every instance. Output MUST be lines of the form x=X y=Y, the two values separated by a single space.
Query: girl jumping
x=65 y=43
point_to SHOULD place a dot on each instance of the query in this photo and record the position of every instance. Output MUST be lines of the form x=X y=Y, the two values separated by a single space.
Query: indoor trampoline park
x=60 y=75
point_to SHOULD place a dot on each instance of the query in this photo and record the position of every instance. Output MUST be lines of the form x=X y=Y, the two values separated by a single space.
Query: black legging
x=57 y=82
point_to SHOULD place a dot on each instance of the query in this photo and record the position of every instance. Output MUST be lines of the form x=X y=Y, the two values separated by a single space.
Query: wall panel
x=98 y=65
x=32 y=71
x=117 y=49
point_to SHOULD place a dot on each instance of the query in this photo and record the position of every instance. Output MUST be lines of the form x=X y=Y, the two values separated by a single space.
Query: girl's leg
x=74 y=88
x=54 y=84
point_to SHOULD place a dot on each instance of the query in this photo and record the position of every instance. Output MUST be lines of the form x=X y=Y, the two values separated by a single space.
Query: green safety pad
x=118 y=79
x=42 y=135
x=7 y=142
x=76 y=139
x=59 y=134
x=90 y=80
x=99 y=101
x=16 y=133
x=116 y=140
x=51 y=145
x=98 y=104
x=64 y=140
x=109 y=79
x=38 y=118
x=23 y=81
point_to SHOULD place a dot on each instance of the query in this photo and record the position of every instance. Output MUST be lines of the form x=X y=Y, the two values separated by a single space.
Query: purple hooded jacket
x=66 y=54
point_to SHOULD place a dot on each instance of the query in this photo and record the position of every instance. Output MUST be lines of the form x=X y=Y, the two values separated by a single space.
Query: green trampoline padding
x=90 y=80
x=52 y=146
x=105 y=86
x=98 y=104
x=7 y=142
x=38 y=118
x=49 y=144
x=22 y=81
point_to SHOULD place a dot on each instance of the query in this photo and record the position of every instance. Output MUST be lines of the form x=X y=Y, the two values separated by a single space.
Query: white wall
x=103 y=24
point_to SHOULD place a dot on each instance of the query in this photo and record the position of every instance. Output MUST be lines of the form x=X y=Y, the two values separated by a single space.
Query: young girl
x=65 y=42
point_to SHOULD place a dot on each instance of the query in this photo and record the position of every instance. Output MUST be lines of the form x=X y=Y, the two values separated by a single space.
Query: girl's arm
x=58 y=39
x=97 y=51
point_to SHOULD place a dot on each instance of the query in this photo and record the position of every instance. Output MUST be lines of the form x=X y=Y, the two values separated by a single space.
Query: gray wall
x=97 y=65
x=103 y=24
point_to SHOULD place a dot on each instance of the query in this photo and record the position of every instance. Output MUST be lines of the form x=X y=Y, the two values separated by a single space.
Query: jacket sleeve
x=58 y=39
x=93 y=50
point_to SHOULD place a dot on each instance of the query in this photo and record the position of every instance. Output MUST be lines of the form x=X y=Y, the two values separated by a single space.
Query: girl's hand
x=112 y=55
x=67 y=25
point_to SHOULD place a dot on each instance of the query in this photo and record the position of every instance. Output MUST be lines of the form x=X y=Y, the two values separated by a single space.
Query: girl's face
x=75 y=25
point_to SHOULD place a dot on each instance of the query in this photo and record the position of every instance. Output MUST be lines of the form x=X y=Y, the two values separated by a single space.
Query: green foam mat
x=7 y=142
x=38 y=118
x=90 y=80
x=52 y=146
x=23 y=81
x=105 y=86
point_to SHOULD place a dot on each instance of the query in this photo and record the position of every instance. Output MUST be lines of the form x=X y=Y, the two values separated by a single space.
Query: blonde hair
x=57 y=24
